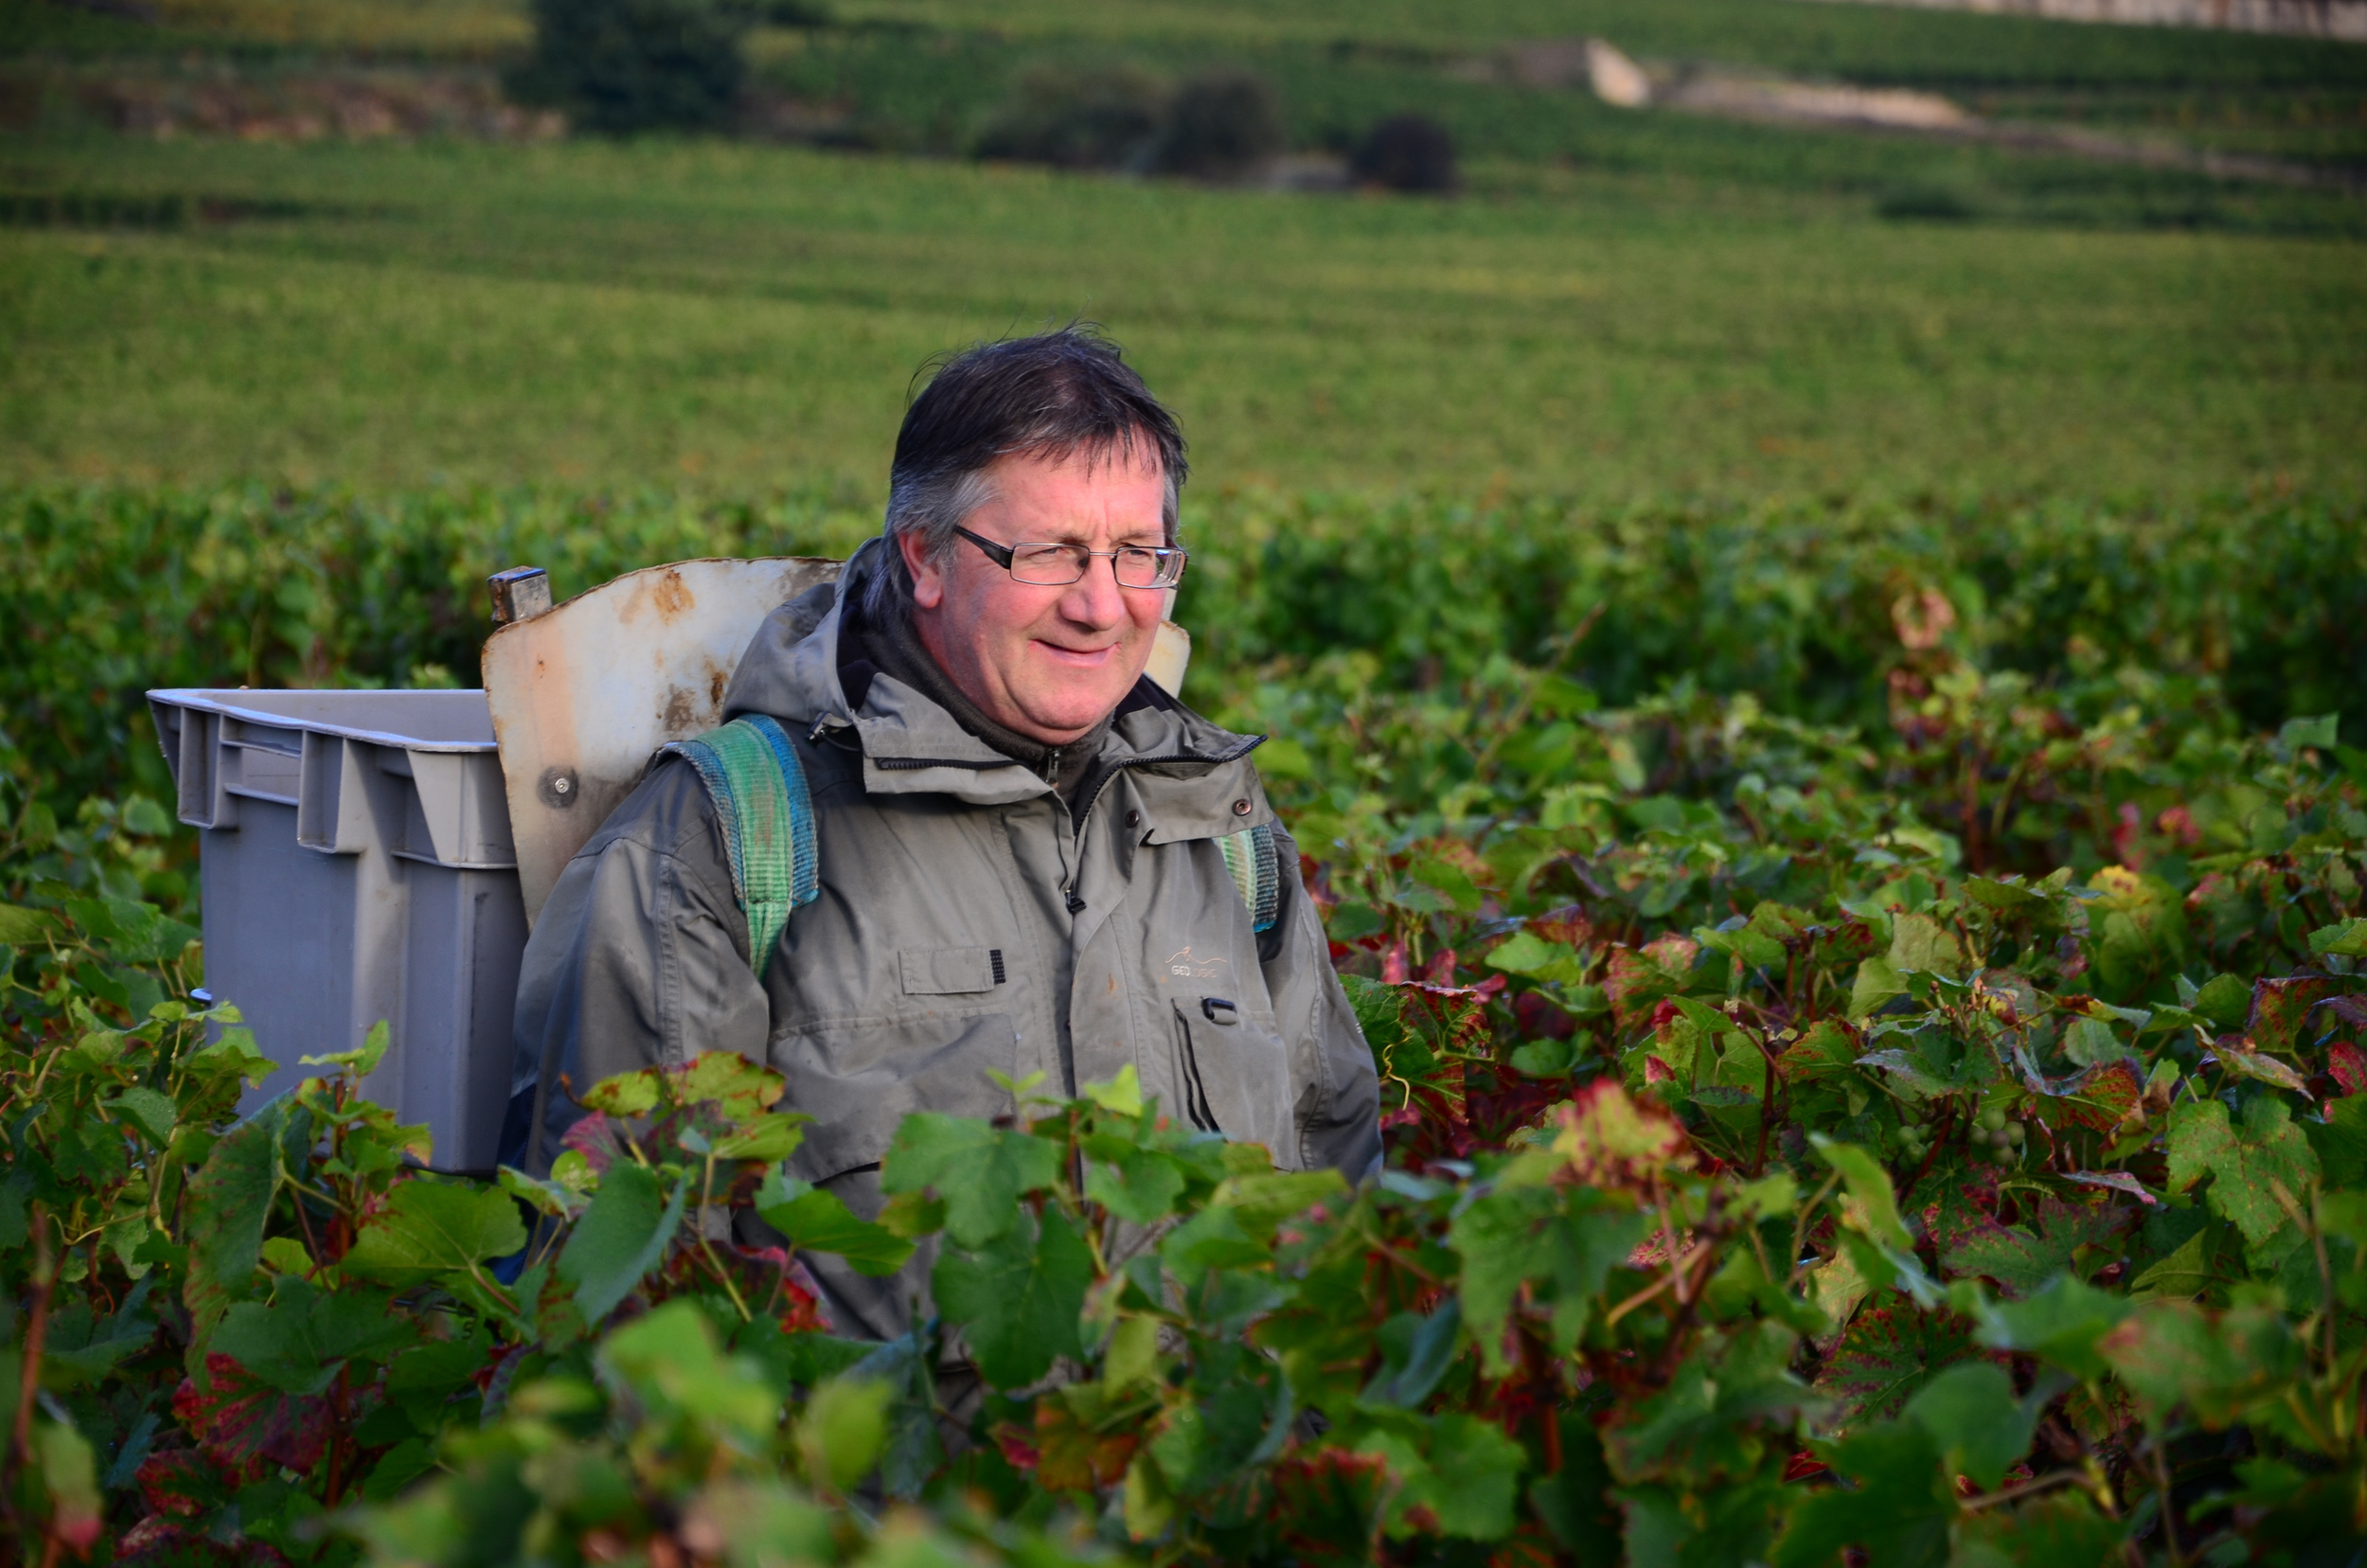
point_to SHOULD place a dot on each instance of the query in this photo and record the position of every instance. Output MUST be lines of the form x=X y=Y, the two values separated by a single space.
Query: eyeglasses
x=1057 y=565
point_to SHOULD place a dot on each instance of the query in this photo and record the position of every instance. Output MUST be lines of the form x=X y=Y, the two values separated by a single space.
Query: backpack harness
x=751 y=774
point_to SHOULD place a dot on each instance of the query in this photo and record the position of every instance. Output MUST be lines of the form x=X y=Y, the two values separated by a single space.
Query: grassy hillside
x=1624 y=304
x=741 y=318
x=1859 y=41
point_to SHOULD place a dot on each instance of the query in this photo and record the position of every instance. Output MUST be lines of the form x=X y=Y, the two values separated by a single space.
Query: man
x=1020 y=837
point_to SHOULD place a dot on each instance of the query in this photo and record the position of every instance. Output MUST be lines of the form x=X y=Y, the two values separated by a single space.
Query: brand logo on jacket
x=1184 y=966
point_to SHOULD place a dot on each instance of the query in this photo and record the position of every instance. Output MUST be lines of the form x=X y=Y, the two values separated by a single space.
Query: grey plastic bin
x=357 y=866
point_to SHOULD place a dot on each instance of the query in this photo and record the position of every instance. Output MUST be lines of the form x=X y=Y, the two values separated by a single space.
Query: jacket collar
x=910 y=745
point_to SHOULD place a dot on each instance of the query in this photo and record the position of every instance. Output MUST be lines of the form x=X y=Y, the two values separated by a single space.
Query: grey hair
x=1062 y=393
x=934 y=507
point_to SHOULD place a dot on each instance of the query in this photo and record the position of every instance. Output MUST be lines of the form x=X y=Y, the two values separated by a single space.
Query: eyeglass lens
x=1054 y=566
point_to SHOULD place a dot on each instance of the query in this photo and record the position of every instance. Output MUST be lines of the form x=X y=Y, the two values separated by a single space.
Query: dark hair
x=1055 y=395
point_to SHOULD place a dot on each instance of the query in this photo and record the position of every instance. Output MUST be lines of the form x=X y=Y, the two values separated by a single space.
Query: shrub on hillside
x=619 y=67
x=1108 y=118
x=1223 y=124
x=1407 y=153
x=1216 y=125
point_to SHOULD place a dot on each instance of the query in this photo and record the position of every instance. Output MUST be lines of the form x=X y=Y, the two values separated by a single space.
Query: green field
x=745 y=319
x=1621 y=306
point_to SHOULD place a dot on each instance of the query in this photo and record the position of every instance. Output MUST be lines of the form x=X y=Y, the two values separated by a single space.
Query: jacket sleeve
x=638 y=959
x=1338 y=1088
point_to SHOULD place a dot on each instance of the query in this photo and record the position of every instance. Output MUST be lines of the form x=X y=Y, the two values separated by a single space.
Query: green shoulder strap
x=1255 y=862
x=751 y=774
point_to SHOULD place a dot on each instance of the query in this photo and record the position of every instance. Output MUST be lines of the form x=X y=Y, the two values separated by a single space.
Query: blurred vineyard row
x=1303 y=610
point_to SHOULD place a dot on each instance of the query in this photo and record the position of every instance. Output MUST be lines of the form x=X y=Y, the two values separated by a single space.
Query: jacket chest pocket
x=1234 y=1075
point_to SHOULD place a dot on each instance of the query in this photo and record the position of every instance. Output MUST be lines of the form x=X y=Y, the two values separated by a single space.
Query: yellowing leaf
x=1920 y=944
x=1608 y=1140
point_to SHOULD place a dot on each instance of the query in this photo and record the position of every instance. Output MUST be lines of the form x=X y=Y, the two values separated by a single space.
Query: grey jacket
x=967 y=920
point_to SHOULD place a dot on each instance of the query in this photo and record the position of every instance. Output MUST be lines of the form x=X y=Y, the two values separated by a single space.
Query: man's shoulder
x=669 y=813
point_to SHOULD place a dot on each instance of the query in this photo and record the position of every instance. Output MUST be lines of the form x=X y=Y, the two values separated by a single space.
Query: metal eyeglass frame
x=1004 y=554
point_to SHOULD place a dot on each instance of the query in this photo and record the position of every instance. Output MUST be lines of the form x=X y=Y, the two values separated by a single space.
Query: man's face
x=1047 y=662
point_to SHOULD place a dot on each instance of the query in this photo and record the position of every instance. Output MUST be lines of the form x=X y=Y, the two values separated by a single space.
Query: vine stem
x=1800 y=1226
x=20 y=1456
x=2045 y=1482
x=707 y=1200
x=28 y=1383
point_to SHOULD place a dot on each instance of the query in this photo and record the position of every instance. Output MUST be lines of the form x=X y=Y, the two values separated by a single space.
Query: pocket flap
x=949 y=971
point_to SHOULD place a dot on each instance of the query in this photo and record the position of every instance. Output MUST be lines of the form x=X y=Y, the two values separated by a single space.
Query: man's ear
x=928 y=576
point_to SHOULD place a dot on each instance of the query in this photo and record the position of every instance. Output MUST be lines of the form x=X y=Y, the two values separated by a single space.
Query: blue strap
x=766 y=811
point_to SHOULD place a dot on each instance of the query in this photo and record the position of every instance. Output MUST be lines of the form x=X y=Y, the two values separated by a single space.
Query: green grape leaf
x=2060 y=1529
x=980 y=1172
x=2223 y=999
x=1889 y=1354
x=1543 y=1237
x=2019 y=1261
x=1870 y=1184
x=843 y=1428
x=1140 y=1187
x=672 y=1360
x=1898 y=1512
x=621 y=1238
x=228 y=1202
x=152 y=1113
x=21 y=927
x=770 y=1136
x=297 y=1342
x=2172 y=1353
x=2183 y=1274
x=2340 y=1142
x=1980 y=1427
x=821 y=1221
x=430 y=1227
x=1018 y=1299
x=1920 y=944
x=1474 y=1477
x=1879 y=980
x=2242 y=1159
x=2061 y=1322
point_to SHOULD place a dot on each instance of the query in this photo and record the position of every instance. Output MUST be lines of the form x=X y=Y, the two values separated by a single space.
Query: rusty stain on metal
x=670 y=596
x=591 y=689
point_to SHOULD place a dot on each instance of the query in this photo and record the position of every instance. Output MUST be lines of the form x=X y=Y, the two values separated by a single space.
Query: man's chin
x=1070 y=714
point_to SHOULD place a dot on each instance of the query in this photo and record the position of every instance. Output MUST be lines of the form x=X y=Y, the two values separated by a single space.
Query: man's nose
x=1095 y=600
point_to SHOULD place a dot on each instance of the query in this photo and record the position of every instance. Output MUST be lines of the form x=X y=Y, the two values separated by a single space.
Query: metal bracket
x=521 y=592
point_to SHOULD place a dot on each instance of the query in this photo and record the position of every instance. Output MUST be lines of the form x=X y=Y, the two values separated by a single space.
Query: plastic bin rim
x=214 y=700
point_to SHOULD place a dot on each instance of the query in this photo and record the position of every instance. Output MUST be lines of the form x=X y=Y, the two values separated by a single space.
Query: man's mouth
x=1078 y=658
